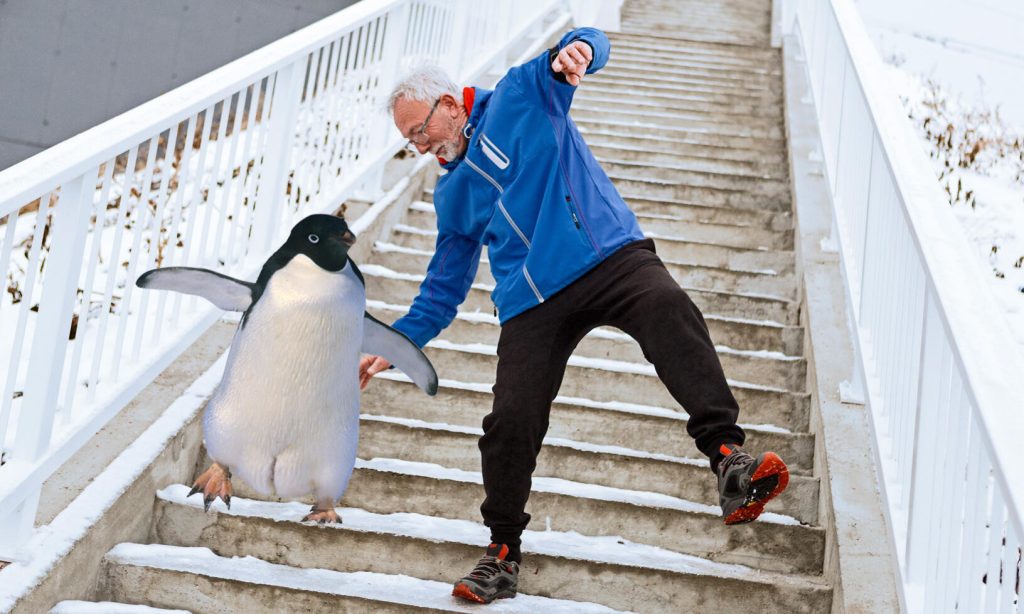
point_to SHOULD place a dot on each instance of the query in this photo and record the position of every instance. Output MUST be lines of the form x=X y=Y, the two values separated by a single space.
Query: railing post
x=277 y=154
x=46 y=361
x=17 y=523
x=60 y=289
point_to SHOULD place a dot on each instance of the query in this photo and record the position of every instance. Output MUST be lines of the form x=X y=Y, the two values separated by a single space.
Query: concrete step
x=678 y=120
x=737 y=335
x=614 y=466
x=632 y=182
x=745 y=150
x=700 y=178
x=755 y=367
x=660 y=133
x=682 y=44
x=713 y=28
x=752 y=33
x=751 y=113
x=693 y=102
x=675 y=239
x=773 y=543
x=693 y=159
x=640 y=86
x=108 y=607
x=197 y=578
x=638 y=58
x=609 y=570
x=723 y=83
x=401 y=288
x=654 y=430
x=416 y=233
x=698 y=73
x=680 y=220
x=612 y=381
x=650 y=108
x=765 y=283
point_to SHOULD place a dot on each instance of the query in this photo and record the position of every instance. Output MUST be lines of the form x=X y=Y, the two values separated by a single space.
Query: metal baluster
x=141 y=209
x=113 y=264
x=155 y=232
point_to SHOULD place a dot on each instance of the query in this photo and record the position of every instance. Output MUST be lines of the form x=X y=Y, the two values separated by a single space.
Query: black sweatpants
x=631 y=290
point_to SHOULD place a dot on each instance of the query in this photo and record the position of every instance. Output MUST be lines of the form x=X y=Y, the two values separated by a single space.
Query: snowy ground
x=958 y=66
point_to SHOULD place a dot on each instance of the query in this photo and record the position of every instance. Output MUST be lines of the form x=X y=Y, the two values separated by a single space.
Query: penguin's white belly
x=285 y=418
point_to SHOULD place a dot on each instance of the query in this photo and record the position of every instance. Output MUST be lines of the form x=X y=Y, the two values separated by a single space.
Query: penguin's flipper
x=225 y=292
x=382 y=340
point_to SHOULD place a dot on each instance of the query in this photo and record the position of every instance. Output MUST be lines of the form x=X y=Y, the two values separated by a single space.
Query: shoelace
x=732 y=459
x=488 y=567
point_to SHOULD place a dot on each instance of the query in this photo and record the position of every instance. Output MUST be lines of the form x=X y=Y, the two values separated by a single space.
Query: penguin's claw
x=213 y=483
x=322 y=516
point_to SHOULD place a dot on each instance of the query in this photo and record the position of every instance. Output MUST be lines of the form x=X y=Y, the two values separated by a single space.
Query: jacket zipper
x=572 y=212
x=511 y=222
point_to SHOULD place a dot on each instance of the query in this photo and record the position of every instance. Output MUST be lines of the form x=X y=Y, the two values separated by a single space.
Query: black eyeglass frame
x=409 y=143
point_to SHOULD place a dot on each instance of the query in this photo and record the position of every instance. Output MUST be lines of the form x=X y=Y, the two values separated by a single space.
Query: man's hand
x=572 y=61
x=370 y=366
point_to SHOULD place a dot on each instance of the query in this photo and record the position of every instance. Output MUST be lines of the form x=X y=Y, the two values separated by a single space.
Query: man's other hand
x=572 y=61
x=368 y=367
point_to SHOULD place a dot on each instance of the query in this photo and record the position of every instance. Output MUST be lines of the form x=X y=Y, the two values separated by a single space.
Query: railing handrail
x=968 y=333
x=69 y=158
x=946 y=255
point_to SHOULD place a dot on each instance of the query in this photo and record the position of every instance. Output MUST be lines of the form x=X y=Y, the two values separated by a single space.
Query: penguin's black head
x=324 y=238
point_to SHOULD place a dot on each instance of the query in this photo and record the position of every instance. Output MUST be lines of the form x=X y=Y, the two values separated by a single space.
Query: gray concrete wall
x=67 y=65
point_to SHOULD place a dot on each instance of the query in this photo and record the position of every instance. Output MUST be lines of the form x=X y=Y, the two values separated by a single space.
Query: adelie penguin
x=285 y=416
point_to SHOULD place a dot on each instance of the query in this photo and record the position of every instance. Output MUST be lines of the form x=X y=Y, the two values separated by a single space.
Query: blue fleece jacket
x=529 y=188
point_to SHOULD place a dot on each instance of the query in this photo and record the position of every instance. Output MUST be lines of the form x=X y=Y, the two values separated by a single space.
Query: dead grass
x=962 y=138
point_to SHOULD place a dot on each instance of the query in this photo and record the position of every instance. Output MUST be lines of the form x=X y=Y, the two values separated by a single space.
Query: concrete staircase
x=687 y=119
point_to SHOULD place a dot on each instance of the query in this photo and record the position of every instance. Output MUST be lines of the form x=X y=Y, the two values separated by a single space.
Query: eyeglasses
x=416 y=137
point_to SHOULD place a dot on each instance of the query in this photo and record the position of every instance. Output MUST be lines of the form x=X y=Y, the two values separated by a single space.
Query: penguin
x=285 y=416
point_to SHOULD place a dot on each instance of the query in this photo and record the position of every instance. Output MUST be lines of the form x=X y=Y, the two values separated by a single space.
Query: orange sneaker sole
x=462 y=591
x=771 y=466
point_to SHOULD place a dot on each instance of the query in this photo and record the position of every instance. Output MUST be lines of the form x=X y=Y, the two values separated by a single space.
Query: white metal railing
x=211 y=174
x=942 y=383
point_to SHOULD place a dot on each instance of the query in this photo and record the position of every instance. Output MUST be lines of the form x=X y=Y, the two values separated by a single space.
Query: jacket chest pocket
x=494 y=153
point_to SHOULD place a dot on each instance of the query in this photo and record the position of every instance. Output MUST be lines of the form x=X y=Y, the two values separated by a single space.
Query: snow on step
x=366 y=585
x=604 y=364
x=108 y=607
x=611 y=549
x=622 y=406
x=560 y=486
x=548 y=441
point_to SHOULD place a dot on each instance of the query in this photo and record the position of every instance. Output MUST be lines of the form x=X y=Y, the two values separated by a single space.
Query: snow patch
x=387 y=588
x=562 y=487
x=566 y=544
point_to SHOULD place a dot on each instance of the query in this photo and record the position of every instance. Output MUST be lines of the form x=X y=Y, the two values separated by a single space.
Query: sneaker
x=745 y=485
x=492 y=578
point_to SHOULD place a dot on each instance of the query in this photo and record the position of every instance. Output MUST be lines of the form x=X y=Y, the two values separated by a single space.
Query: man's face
x=441 y=135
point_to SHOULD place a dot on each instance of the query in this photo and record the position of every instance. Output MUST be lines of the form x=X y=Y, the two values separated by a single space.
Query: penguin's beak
x=348 y=238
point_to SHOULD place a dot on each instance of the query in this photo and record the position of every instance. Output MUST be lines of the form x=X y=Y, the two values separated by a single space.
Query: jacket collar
x=475 y=100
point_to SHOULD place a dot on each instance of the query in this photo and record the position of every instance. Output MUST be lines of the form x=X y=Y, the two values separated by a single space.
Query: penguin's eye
x=314 y=239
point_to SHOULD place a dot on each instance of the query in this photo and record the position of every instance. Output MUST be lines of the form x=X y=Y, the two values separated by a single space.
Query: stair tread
x=607 y=549
x=108 y=607
x=372 y=586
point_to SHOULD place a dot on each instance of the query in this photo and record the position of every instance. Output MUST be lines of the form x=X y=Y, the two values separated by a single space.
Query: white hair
x=425 y=83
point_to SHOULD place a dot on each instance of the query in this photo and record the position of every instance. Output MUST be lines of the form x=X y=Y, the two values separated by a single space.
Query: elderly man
x=568 y=256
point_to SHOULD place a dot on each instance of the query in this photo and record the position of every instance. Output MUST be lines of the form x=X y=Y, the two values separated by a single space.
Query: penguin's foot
x=322 y=515
x=214 y=482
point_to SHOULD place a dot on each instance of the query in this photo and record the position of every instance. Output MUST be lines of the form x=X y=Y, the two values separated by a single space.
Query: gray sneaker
x=492 y=578
x=745 y=485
